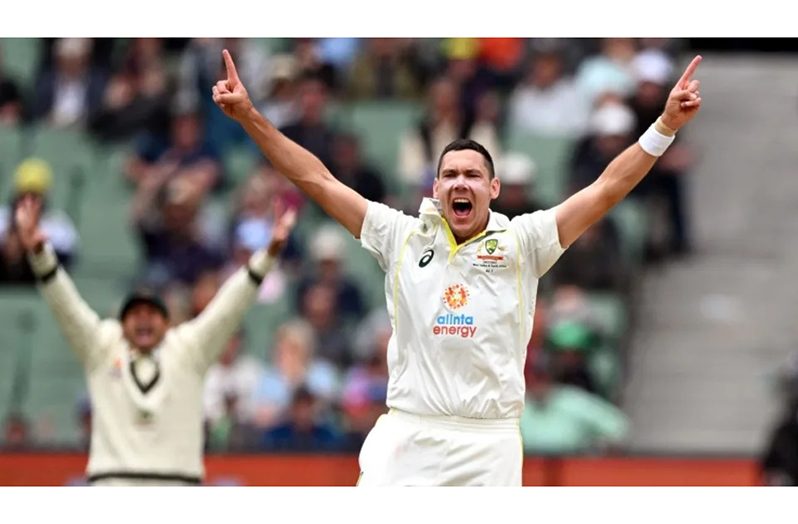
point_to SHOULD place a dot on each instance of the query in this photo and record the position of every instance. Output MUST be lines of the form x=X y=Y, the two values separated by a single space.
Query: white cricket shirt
x=461 y=314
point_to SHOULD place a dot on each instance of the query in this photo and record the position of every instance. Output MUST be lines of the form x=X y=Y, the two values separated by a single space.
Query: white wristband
x=653 y=142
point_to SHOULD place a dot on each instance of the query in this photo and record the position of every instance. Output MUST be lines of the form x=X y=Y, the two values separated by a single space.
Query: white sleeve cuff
x=260 y=263
x=44 y=262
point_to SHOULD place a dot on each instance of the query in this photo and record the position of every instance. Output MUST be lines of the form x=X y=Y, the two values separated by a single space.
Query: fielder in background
x=145 y=377
x=460 y=287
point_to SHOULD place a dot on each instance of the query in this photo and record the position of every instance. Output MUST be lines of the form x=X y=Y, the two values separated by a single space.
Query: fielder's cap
x=143 y=297
x=33 y=175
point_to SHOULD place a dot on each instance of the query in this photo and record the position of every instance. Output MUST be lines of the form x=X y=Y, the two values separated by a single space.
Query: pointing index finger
x=232 y=74
x=688 y=73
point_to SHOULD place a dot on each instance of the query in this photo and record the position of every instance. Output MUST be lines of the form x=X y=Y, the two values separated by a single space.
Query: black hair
x=463 y=144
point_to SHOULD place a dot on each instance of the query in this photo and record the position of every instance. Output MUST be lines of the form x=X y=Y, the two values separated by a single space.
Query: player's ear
x=435 y=187
x=495 y=188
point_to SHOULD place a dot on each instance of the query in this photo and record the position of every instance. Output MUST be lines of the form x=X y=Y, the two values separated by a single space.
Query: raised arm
x=586 y=207
x=296 y=163
x=79 y=323
x=209 y=332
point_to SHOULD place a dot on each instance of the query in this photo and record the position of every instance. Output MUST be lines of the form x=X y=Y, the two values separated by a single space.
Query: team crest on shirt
x=490 y=256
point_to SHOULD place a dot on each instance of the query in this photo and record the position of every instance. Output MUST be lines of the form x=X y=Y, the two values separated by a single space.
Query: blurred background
x=663 y=349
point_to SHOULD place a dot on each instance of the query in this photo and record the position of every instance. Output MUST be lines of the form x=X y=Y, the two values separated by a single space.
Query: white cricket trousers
x=412 y=450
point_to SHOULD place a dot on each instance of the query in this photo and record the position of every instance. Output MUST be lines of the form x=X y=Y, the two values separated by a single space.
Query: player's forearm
x=293 y=161
x=622 y=175
x=222 y=317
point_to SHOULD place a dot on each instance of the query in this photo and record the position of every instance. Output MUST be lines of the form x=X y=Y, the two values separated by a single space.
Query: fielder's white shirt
x=461 y=314
x=147 y=418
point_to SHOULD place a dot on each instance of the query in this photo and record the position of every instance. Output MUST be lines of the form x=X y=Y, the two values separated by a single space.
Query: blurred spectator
x=463 y=67
x=11 y=101
x=280 y=104
x=348 y=167
x=185 y=154
x=609 y=133
x=70 y=90
x=34 y=177
x=366 y=384
x=255 y=200
x=176 y=246
x=14 y=267
x=16 y=432
x=571 y=303
x=610 y=71
x=200 y=65
x=229 y=398
x=338 y=52
x=136 y=97
x=547 y=101
x=568 y=344
x=779 y=462
x=442 y=123
x=560 y=419
x=384 y=69
x=319 y=308
x=517 y=172
x=594 y=261
x=309 y=129
x=503 y=57
x=230 y=432
x=293 y=364
x=304 y=429
x=665 y=183
x=235 y=373
x=311 y=62
x=327 y=248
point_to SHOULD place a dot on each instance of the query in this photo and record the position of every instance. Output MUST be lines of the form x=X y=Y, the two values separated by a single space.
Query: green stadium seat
x=380 y=126
x=20 y=58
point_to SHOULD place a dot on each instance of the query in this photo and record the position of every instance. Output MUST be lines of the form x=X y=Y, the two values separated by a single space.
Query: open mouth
x=461 y=207
x=144 y=331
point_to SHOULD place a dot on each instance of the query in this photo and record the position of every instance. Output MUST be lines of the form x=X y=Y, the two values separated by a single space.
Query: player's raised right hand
x=230 y=94
x=26 y=216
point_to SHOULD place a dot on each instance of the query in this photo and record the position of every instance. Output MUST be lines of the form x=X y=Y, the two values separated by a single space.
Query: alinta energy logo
x=455 y=297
